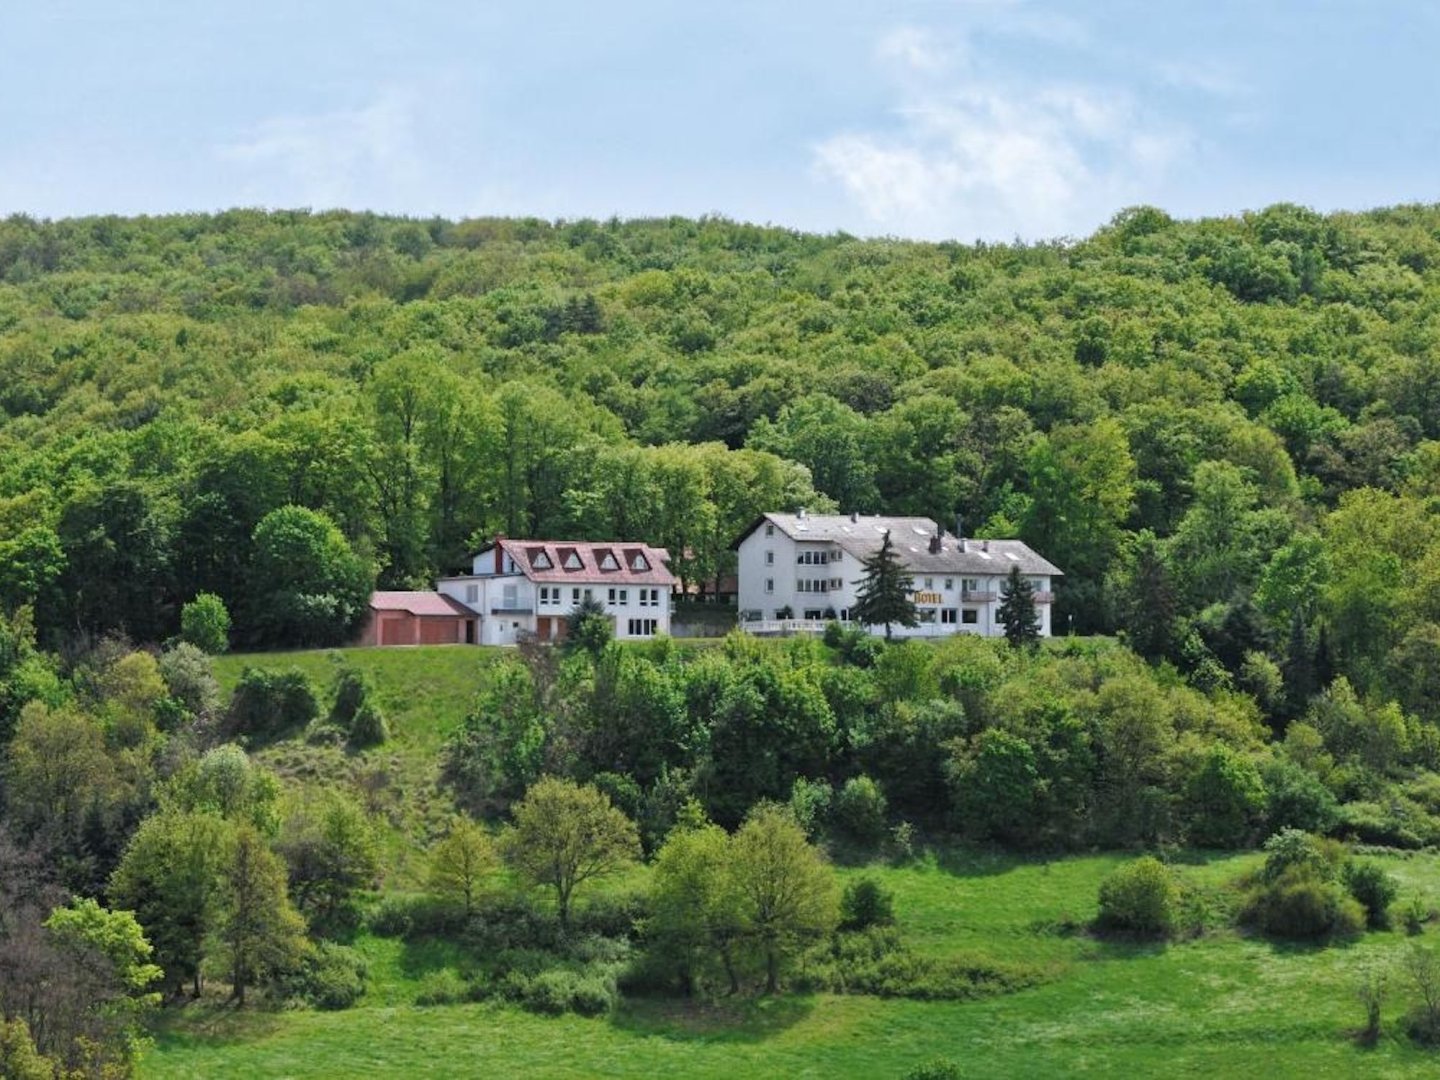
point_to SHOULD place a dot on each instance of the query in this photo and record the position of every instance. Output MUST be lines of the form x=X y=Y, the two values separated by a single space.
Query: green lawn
x=1221 y=1006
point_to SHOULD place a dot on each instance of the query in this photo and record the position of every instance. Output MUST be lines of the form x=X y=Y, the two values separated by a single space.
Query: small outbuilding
x=417 y=618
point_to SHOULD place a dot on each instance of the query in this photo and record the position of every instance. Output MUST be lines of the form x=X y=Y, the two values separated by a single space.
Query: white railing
x=786 y=626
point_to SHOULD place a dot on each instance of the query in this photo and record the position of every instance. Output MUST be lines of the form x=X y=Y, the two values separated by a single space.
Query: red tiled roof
x=591 y=557
x=418 y=603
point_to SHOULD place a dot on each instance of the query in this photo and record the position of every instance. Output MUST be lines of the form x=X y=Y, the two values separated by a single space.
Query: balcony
x=501 y=609
x=978 y=596
x=1044 y=597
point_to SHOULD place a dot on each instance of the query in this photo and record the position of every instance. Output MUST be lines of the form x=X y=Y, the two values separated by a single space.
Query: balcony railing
x=501 y=609
x=1044 y=597
x=978 y=596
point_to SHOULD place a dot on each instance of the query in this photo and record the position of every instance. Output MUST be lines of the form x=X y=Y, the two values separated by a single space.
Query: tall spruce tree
x=1017 y=611
x=883 y=598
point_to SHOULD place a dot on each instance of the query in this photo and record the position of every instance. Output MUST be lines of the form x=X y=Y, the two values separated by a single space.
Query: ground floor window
x=925 y=614
x=812 y=613
x=643 y=627
x=970 y=616
x=947 y=616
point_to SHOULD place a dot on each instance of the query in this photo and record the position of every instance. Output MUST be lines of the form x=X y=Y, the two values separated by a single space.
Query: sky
x=934 y=119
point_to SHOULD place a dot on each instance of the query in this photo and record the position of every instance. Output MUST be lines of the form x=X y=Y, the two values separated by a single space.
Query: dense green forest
x=228 y=428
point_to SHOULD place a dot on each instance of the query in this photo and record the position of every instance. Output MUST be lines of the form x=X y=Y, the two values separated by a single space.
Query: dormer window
x=608 y=562
x=572 y=562
x=637 y=562
x=541 y=561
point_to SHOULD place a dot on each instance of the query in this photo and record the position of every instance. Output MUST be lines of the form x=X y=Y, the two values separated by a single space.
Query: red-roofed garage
x=417 y=618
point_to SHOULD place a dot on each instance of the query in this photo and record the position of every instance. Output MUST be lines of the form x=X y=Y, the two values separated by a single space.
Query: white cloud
x=974 y=156
x=350 y=157
x=916 y=50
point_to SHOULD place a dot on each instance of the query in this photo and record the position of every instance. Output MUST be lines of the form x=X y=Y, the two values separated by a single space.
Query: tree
x=788 y=893
x=258 y=934
x=307 y=586
x=883 y=597
x=205 y=623
x=460 y=863
x=695 y=904
x=1017 y=611
x=1148 y=600
x=589 y=626
x=330 y=850
x=565 y=835
x=168 y=878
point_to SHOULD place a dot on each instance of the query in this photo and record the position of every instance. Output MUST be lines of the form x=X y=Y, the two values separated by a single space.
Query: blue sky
x=929 y=118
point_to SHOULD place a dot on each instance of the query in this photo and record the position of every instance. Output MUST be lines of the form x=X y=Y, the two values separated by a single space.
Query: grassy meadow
x=1221 y=1005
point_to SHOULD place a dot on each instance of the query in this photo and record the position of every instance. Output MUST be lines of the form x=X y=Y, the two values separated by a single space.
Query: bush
x=810 y=803
x=1225 y=797
x=331 y=977
x=864 y=904
x=1375 y=889
x=368 y=728
x=443 y=987
x=1291 y=850
x=1302 y=906
x=269 y=704
x=1139 y=898
x=860 y=811
x=414 y=917
x=205 y=623
x=1296 y=799
x=560 y=990
x=935 y=1069
x=876 y=961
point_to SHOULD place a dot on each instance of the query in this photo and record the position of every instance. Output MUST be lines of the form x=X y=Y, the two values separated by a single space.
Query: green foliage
x=205 y=623
x=883 y=596
x=1300 y=894
x=1140 y=898
x=866 y=903
x=19 y=1060
x=860 y=811
x=331 y=856
x=460 y=863
x=308 y=586
x=565 y=835
x=939 y=1068
x=1376 y=890
x=443 y=987
x=1226 y=799
x=589 y=627
x=267 y=704
x=354 y=711
x=1017 y=612
x=330 y=977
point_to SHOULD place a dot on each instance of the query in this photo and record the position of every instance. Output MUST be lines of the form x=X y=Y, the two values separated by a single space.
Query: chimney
x=964 y=547
x=854 y=517
x=800 y=513
x=935 y=544
x=984 y=545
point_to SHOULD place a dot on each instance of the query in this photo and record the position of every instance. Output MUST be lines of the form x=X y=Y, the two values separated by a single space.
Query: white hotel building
x=799 y=571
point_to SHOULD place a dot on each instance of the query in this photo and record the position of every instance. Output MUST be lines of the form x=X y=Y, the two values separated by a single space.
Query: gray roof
x=860 y=535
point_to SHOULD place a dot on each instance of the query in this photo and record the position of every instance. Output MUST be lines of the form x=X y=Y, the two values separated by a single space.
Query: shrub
x=1296 y=799
x=1375 y=889
x=1291 y=849
x=1415 y=916
x=268 y=704
x=368 y=728
x=865 y=903
x=1301 y=905
x=331 y=977
x=1422 y=966
x=810 y=803
x=190 y=678
x=1139 y=898
x=443 y=987
x=935 y=1069
x=860 y=810
x=1225 y=797
x=876 y=961
x=414 y=917
x=205 y=623
x=560 y=990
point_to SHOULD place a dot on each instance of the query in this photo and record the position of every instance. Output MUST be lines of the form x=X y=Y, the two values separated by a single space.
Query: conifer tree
x=884 y=595
x=1017 y=611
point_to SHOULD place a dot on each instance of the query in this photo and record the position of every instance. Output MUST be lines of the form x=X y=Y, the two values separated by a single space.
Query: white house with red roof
x=528 y=587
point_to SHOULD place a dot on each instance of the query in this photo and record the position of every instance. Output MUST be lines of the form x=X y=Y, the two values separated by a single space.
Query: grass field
x=1223 y=1005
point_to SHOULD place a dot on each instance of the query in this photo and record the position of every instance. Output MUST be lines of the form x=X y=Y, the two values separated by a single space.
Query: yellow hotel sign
x=928 y=598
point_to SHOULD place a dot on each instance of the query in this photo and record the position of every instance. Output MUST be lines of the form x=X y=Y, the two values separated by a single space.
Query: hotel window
x=925 y=614
x=947 y=616
x=769 y=584
x=643 y=627
x=949 y=584
x=574 y=596
x=769 y=530
x=472 y=593
x=970 y=616
x=769 y=558
x=511 y=599
x=929 y=583
x=970 y=584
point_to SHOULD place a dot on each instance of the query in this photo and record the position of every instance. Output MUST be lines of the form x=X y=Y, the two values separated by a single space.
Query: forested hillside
x=1224 y=431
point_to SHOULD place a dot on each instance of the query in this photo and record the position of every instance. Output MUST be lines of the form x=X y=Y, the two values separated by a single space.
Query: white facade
x=798 y=572
x=512 y=604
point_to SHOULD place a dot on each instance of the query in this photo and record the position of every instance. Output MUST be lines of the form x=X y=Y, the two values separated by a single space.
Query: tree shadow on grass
x=420 y=956
x=979 y=863
x=735 y=1020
